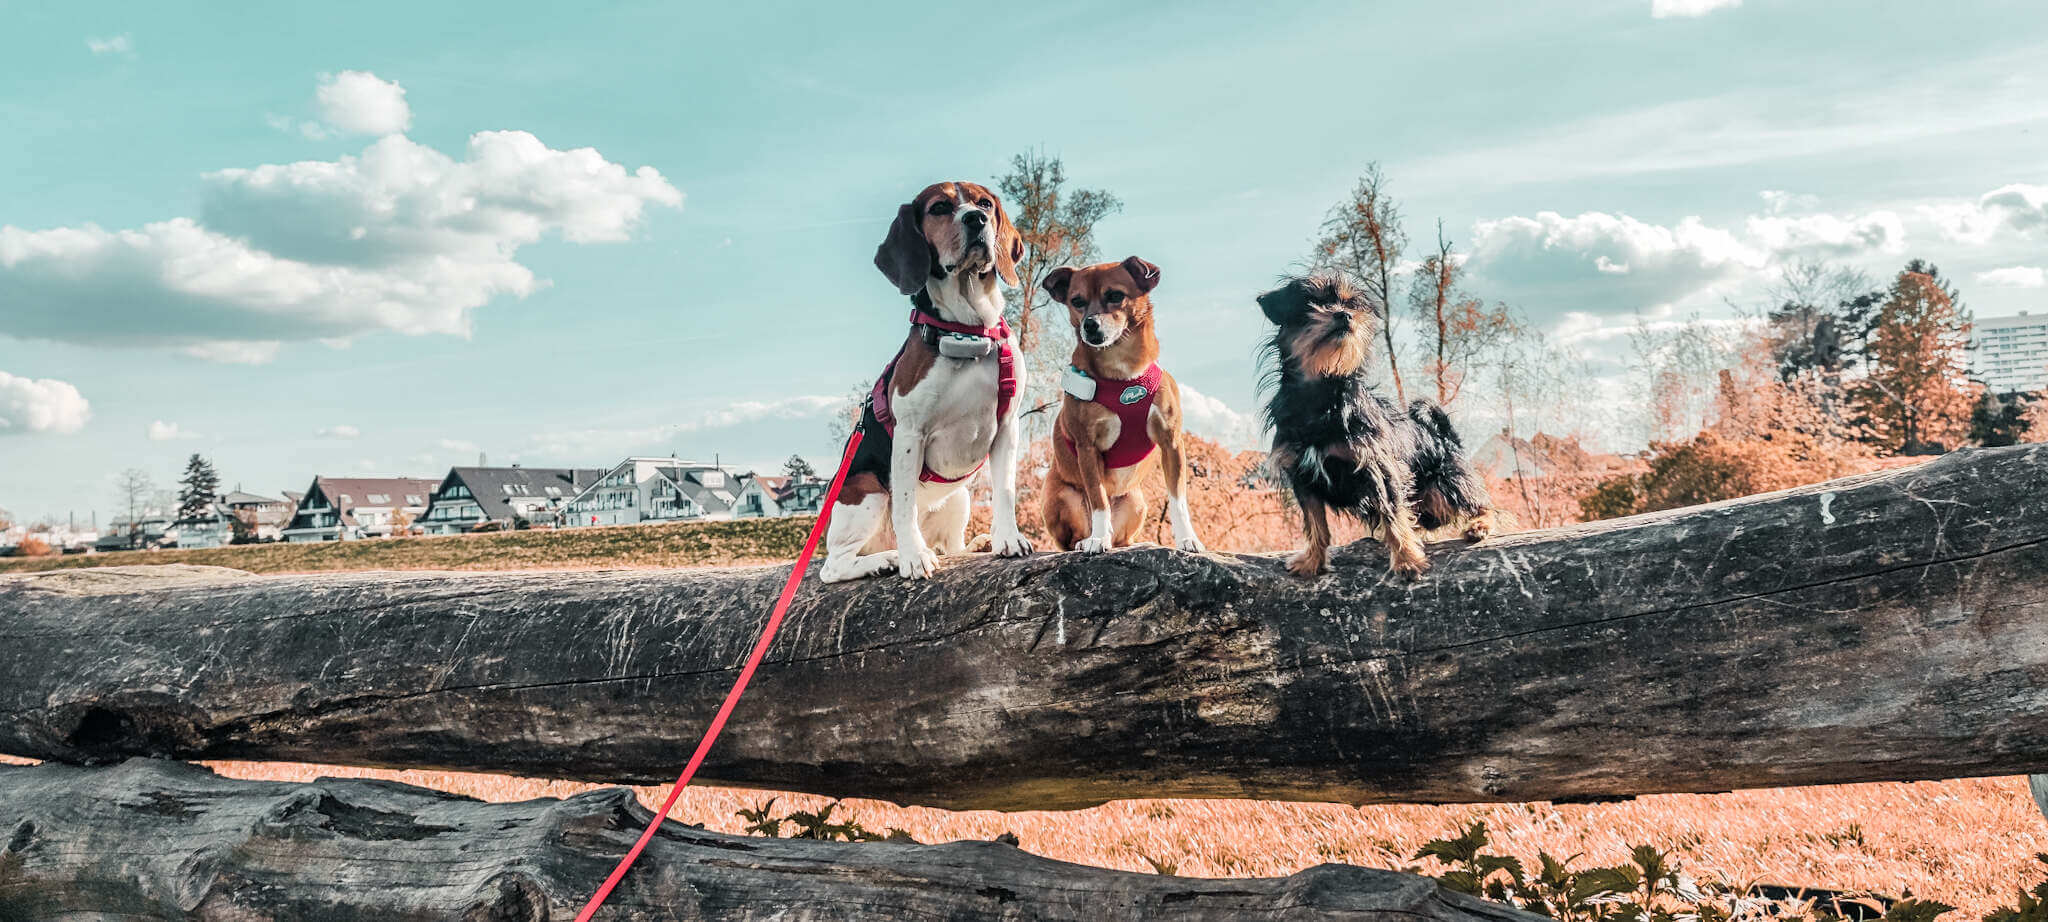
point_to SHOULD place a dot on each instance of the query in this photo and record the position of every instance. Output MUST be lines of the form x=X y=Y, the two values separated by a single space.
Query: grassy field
x=1969 y=843
x=744 y=541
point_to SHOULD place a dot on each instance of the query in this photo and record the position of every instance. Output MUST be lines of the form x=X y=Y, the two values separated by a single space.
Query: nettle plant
x=818 y=824
x=1650 y=887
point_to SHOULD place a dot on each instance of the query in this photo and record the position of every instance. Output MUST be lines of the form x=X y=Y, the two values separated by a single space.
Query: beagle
x=946 y=404
x=1119 y=405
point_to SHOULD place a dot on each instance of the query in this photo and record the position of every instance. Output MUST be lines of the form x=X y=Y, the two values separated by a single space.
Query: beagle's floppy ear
x=905 y=256
x=1009 y=245
x=1056 y=283
x=1142 y=272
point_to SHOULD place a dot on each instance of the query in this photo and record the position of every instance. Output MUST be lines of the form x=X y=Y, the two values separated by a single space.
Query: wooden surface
x=165 y=840
x=1887 y=627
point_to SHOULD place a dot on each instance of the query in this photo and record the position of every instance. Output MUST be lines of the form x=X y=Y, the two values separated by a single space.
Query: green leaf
x=1487 y=864
x=1605 y=882
x=1916 y=911
x=1459 y=850
x=1461 y=881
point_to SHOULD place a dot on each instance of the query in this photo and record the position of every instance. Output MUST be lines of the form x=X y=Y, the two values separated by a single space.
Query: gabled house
x=470 y=497
x=264 y=517
x=762 y=495
x=348 y=508
x=654 y=490
x=756 y=497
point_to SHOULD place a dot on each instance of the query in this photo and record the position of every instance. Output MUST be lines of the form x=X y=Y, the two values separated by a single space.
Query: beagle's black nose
x=1092 y=328
x=974 y=220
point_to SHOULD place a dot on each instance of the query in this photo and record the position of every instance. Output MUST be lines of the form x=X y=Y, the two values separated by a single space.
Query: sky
x=316 y=239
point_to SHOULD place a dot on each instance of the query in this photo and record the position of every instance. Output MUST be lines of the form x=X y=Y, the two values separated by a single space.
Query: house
x=761 y=495
x=263 y=516
x=801 y=496
x=469 y=497
x=654 y=490
x=151 y=529
x=348 y=508
x=756 y=497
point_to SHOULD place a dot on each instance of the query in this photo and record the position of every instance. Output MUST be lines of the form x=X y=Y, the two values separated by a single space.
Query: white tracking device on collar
x=1077 y=383
x=965 y=346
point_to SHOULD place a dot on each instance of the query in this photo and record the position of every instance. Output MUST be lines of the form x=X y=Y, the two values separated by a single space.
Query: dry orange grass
x=1968 y=843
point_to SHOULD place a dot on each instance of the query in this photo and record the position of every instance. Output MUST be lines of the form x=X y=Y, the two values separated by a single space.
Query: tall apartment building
x=2011 y=353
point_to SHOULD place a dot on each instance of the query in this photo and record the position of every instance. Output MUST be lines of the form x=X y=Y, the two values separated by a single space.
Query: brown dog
x=1119 y=406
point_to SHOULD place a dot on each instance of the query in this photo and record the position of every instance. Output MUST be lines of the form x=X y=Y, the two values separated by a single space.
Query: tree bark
x=166 y=840
x=1886 y=627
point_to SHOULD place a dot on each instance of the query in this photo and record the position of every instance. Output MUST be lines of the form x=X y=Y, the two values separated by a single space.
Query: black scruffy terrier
x=1344 y=447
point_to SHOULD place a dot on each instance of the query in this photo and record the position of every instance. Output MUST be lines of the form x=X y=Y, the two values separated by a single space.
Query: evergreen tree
x=1916 y=390
x=197 y=488
x=796 y=469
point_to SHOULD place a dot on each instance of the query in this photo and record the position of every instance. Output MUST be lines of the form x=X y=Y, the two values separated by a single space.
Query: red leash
x=739 y=685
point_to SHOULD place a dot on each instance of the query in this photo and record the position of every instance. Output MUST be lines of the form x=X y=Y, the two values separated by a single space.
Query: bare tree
x=135 y=489
x=1058 y=226
x=1459 y=330
x=1676 y=374
x=1362 y=236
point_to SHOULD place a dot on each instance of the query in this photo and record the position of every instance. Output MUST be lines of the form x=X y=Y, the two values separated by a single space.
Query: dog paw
x=1409 y=566
x=1305 y=563
x=1192 y=545
x=1092 y=545
x=1012 y=546
x=1478 y=529
x=919 y=565
x=980 y=544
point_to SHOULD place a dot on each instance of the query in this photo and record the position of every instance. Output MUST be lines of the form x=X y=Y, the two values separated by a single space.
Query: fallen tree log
x=166 y=840
x=1885 y=627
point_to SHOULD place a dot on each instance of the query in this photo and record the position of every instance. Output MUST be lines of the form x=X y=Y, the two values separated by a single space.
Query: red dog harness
x=1131 y=401
x=1006 y=378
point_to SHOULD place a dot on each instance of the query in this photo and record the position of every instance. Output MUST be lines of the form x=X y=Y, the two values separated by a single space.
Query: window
x=379 y=498
x=412 y=499
x=554 y=491
x=345 y=498
x=712 y=479
x=511 y=490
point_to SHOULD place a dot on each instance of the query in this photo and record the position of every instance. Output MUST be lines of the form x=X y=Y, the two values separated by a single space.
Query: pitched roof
x=488 y=484
x=689 y=478
x=239 y=498
x=358 y=491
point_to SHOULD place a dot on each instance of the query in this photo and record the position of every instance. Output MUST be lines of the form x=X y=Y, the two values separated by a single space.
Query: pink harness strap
x=1006 y=379
x=1131 y=401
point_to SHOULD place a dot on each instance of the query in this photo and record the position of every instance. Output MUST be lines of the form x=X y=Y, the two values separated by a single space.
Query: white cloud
x=1667 y=9
x=1600 y=264
x=122 y=44
x=338 y=432
x=2020 y=206
x=2015 y=277
x=160 y=431
x=1826 y=236
x=357 y=102
x=1605 y=263
x=400 y=238
x=1213 y=419
x=40 y=405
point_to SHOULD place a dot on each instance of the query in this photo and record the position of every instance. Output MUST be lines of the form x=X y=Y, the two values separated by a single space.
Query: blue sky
x=385 y=237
